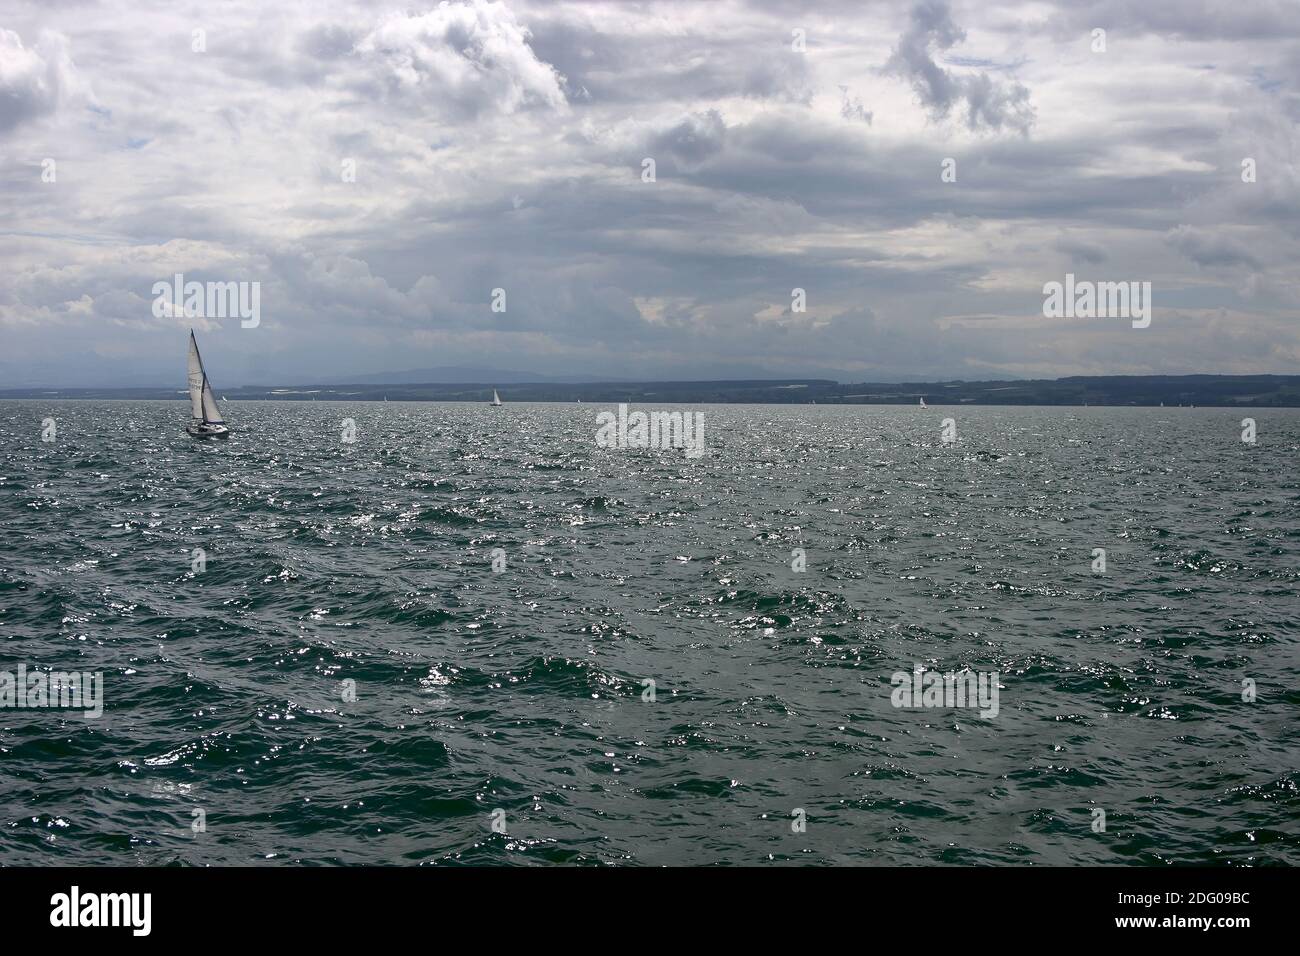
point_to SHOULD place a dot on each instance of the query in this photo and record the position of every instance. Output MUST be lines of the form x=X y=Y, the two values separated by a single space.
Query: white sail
x=203 y=404
x=496 y=399
x=196 y=380
x=211 y=414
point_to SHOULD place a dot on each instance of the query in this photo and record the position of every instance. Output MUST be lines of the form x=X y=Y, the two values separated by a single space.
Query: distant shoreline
x=1217 y=391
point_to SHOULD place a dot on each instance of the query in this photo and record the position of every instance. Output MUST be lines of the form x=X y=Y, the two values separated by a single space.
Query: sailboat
x=923 y=405
x=205 y=417
x=496 y=399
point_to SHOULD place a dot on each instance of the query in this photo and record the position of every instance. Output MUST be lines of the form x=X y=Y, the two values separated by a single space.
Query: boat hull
x=208 y=431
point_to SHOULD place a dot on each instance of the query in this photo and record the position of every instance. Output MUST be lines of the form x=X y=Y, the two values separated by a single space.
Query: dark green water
x=522 y=691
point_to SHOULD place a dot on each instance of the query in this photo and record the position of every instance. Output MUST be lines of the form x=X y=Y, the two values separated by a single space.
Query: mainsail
x=196 y=380
x=203 y=404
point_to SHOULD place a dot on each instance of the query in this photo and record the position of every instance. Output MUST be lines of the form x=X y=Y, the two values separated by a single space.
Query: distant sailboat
x=205 y=417
x=496 y=399
x=923 y=405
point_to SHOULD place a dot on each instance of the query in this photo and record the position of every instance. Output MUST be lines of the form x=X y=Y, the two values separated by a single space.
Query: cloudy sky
x=501 y=145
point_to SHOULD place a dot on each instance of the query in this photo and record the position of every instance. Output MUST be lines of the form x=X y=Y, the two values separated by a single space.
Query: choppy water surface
x=523 y=691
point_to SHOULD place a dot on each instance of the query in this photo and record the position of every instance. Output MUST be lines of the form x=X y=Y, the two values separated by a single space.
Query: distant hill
x=462 y=375
x=1260 y=391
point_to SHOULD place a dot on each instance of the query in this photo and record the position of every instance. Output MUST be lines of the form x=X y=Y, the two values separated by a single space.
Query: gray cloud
x=851 y=107
x=694 y=139
x=1180 y=19
x=606 y=60
x=987 y=103
x=1210 y=249
x=1083 y=251
x=34 y=81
